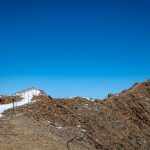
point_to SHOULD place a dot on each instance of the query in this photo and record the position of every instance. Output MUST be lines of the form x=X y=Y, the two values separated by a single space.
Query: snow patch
x=26 y=96
x=59 y=127
x=79 y=126
x=29 y=93
x=87 y=98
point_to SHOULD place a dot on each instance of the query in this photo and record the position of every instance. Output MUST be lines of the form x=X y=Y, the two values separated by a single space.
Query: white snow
x=29 y=93
x=26 y=96
x=90 y=99
x=70 y=97
x=83 y=130
x=87 y=98
x=59 y=127
x=49 y=122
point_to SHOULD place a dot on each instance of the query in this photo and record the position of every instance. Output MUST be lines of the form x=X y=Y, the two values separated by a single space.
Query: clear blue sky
x=74 y=47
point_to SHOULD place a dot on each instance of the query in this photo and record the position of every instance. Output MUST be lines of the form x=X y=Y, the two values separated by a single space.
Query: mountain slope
x=19 y=99
x=120 y=122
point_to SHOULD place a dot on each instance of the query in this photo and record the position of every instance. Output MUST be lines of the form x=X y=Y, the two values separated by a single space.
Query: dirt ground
x=18 y=133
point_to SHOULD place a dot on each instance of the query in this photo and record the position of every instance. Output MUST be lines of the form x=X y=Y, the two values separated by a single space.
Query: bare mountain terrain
x=120 y=122
x=9 y=99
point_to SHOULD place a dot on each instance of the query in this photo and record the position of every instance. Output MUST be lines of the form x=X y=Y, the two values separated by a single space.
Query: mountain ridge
x=122 y=121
